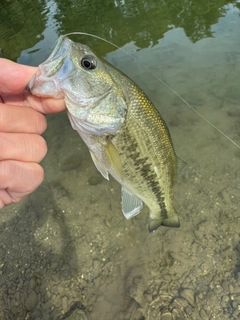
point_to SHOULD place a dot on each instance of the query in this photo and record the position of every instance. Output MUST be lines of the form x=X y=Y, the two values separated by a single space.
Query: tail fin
x=170 y=221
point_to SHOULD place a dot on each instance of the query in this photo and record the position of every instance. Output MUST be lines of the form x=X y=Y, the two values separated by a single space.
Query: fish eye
x=89 y=62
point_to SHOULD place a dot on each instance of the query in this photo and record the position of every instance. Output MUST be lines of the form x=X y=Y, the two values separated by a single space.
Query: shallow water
x=67 y=246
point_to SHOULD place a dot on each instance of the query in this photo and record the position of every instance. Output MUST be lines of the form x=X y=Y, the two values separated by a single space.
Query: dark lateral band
x=1 y=99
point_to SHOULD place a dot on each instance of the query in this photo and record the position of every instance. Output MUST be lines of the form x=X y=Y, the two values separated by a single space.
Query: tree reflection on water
x=143 y=22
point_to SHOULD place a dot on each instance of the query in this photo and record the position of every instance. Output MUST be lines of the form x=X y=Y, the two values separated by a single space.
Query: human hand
x=21 y=124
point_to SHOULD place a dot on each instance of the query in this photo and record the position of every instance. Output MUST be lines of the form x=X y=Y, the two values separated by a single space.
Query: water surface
x=67 y=246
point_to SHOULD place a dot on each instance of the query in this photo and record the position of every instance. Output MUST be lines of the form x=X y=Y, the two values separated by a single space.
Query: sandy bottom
x=67 y=252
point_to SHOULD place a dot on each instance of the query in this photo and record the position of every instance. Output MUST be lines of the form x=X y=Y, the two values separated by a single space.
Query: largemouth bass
x=126 y=136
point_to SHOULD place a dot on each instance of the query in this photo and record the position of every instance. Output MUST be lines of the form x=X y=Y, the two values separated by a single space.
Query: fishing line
x=163 y=82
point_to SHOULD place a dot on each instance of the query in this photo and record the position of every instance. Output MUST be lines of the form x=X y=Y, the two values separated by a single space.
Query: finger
x=43 y=105
x=14 y=77
x=21 y=119
x=17 y=180
x=22 y=147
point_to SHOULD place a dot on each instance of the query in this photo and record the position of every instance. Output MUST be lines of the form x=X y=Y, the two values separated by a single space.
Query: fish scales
x=126 y=135
x=153 y=151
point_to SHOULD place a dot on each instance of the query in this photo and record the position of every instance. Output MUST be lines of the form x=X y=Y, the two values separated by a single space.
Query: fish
x=124 y=132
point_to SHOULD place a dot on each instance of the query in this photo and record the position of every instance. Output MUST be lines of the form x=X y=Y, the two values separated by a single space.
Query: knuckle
x=41 y=123
x=18 y=179
x=38 y=176
x=39 y=148
x=5 y=170
x=44 y=148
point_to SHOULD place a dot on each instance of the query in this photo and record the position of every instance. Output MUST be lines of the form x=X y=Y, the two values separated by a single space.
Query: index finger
x=43 y=105
x=14 y=77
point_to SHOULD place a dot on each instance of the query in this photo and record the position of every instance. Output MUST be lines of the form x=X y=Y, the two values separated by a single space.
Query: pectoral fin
x=114 y=159
x=99 y=166
x=131 y=205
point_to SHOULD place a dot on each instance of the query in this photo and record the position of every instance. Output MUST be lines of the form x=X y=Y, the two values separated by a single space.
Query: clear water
x=67 y=246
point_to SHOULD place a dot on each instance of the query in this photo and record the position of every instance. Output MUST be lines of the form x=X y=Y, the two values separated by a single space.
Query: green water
x=67 y=251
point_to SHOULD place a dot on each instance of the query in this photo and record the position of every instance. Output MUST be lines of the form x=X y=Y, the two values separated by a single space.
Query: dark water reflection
x=67 y=246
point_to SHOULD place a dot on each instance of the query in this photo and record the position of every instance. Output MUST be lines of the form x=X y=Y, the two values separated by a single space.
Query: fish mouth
x=30 y=84
x=44 y=87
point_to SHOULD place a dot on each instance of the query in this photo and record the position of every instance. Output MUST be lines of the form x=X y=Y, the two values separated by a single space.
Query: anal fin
x=131 y=204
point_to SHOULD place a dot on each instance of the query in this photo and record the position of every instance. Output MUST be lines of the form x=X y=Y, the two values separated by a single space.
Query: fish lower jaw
x=42 y=86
